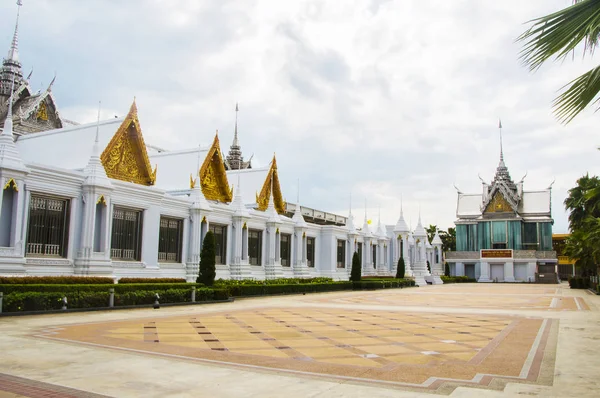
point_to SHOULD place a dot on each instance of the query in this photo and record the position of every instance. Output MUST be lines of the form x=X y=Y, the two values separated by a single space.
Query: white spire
x=380 y=229
x=401 y=224
x=365 y=229
x=271 y=212
x=95 y=174
x=350 y=221
x=13 y=52
x=419 y=230
x=436 y=239
x=9 y=154
x=240 y=209
x=298 y=218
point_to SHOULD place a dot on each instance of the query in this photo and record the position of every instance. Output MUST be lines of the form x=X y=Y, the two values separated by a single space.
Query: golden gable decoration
x=125 y=157
x=213 y=178
x=42 y=113
x=498 y=205
x=262 y=199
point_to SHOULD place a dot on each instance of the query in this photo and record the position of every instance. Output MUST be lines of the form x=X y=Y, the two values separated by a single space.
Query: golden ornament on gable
x=498 y=204
x=125 y=157
x=262 y=199
x=213 y=178
x=42 y=113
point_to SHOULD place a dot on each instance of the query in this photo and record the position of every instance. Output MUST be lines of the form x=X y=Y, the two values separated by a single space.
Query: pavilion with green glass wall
x=504 y=234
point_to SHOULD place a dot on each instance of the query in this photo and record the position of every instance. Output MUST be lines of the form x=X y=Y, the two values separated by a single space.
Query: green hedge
x=382 y=284
x=457 y=279
x=151 y=280
x=278 y=281
x=269 y=289
x=55 y=280
x=579 y=283
x=264 y=289
x=44 y=301
x=68 y=289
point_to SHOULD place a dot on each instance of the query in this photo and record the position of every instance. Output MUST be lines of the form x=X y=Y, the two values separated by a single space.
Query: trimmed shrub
x=457 y=279
x=446 y=269
x=70 y=289
x=428 y=267
x=44 y=301
x=579 y=283
x=401 y=271
x=151 y=280
x=355 y=273
x=207 y=261
x=57 y=280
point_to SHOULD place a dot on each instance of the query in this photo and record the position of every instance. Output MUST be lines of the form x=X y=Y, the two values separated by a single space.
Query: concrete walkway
x=111 y=354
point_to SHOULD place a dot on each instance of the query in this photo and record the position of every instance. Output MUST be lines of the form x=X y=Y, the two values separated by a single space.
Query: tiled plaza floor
x=417 y=350
x=455 y=339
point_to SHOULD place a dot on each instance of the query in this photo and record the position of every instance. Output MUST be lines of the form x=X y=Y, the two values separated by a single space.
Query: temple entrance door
x=497 y=272
x=470 y=270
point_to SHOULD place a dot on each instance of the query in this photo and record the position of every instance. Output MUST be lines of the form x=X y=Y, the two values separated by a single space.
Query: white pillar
x=509 y=271
x=485 y=272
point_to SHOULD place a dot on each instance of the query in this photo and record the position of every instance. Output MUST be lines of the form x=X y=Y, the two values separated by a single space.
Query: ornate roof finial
x=234 y=159
x=13 y=52
x=235 y=134
x=501 y=151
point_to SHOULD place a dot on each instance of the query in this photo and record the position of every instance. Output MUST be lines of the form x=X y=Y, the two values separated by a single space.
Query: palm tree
x=557 y=35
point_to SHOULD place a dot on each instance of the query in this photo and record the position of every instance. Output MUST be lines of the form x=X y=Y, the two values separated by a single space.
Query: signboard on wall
x=496 y=253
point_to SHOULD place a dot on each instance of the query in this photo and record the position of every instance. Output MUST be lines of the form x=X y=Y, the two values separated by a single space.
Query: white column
x=485 y=272
x=509 y=271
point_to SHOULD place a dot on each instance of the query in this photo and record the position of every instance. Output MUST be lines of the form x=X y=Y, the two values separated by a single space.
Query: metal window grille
x=255 y=247
x=126 y=234
x=341 y=253
x=220 y=234
x=285 y=244
x=48 y=229
x=169 y=240
x=310 y=252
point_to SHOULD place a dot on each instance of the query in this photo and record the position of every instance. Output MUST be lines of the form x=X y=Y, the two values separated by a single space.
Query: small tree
x=428 y=267
x=446 y=269
x=207 y=260
x=401 y=268
x=356 y=273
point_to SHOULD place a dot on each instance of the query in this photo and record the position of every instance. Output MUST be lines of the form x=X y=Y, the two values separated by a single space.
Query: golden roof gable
x=213 y=177
x=262 y=199
x=125 y=157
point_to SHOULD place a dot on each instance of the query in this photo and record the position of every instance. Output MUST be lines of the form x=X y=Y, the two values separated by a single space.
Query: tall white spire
x=365 y=228
x=401 y=225
x=350 y=222
x=238 y=206
x=271 y=211
x=95 y=174
x=9 y=154
x=13 y=52
x=298 y=218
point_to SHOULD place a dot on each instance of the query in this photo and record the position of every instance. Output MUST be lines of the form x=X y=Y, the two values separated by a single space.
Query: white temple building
x=94 y=199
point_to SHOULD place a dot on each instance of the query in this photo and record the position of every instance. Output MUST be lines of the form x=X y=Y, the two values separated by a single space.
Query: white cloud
x=378 y=98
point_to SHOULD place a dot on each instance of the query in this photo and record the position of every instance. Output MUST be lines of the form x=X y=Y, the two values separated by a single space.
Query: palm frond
x=559 y=33
x=581 y=92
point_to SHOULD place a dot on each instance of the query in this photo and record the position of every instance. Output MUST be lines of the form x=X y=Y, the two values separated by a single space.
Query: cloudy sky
x=378 y=98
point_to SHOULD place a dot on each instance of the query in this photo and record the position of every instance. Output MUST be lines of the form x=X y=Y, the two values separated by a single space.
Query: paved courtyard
x=457 y=340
